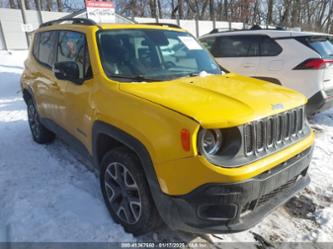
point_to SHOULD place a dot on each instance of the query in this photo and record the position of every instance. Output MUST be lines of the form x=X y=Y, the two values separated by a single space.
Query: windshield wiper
x=138 y=78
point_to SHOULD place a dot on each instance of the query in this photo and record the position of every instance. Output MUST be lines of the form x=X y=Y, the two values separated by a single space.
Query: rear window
x=323 y=45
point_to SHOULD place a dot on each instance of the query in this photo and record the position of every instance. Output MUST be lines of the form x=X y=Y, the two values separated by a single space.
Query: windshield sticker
x=190 y=42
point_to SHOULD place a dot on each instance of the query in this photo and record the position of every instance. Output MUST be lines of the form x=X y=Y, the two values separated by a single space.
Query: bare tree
x=181 y=9
x=27 y=4
x=225 y=10
x=269 y=12
x=212 y=9
x=60 y=5
x=12 y=4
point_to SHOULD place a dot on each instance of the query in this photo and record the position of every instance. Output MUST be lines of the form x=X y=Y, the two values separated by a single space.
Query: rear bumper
x=234 y=207
x=319 y=102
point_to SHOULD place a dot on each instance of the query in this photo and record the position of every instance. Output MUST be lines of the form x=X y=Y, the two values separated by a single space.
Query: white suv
x=299 y=60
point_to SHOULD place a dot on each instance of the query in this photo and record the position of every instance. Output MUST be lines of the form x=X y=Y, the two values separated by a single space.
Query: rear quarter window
x=269 y=47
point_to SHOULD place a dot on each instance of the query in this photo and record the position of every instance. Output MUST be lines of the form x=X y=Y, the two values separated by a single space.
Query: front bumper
x=234 y=207
x=319 y=102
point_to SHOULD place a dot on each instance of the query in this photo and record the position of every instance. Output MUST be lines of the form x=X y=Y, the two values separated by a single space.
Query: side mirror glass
x=67 y=70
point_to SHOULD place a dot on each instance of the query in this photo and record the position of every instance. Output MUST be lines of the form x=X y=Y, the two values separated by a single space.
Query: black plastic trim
x=162 y=202
x=269 y=79
x=318 y=103
x=184 y=213
x=71 y=140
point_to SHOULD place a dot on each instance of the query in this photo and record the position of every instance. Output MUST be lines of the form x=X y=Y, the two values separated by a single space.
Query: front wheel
x=126 y=192
x=40 y=133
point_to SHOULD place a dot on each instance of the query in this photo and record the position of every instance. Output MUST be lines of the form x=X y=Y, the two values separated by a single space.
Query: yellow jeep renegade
x=173 y=136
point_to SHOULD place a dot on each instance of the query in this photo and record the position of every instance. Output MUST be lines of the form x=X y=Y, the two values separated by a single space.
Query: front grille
x=270 y=133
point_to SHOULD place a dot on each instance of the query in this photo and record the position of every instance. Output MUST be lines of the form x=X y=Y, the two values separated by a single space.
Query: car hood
x=219 y=101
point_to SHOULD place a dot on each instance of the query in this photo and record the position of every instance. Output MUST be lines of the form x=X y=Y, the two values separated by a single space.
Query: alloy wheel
x=122 y=193
x=33 y=120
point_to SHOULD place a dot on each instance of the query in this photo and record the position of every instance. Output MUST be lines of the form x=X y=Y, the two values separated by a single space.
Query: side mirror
x=67 y=70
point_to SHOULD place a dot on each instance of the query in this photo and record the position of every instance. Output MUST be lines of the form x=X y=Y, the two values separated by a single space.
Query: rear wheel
x=39 y=132
x=126 y=192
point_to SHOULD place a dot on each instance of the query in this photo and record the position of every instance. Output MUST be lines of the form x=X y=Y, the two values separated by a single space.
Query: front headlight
x=210 y=141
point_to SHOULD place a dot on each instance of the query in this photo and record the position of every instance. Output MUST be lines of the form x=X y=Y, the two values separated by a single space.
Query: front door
x=75 y=114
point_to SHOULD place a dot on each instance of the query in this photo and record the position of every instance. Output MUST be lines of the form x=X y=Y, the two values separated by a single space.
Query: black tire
x=40 y=133
x=122 y=164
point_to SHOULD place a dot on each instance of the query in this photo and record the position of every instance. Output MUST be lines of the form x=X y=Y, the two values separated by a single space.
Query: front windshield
x=152 y=55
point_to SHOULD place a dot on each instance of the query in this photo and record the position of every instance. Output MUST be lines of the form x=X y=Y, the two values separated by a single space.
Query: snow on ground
x=46 y=194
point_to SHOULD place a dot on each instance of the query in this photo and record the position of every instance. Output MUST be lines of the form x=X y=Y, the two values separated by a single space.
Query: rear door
x=237 y=53
x=45 y=83
x=271 y=62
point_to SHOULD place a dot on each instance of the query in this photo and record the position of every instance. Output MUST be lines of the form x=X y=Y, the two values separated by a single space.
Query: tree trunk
x=159 y=6
x=219 y=10
x=256 y=13
x=269 y=12
x=49 y=5
x=12 y=4
x=203 y=9
x=295 y=13
x=60 y=5
x=181 y=9
x=225 y=10
x=27 y=4
x=212 y=10
x=152 y=8
x=285 y=17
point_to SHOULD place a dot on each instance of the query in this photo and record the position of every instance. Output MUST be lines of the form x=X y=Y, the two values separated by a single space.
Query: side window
x=269 y=47
x=72 y=47
x=208 y=42
x=46 y=48
x=236 y=46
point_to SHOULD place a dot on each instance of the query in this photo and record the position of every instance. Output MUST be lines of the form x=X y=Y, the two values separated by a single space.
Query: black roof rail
x=81 y=21
x=218 y=30
x=258 y=27
x=171 y=25
x=253 y=28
